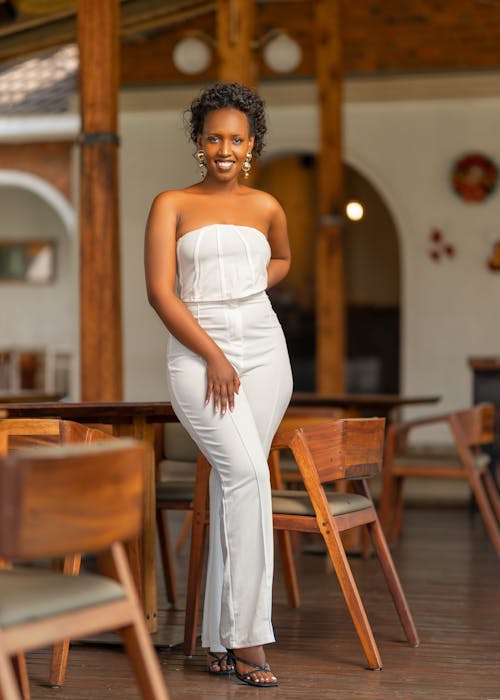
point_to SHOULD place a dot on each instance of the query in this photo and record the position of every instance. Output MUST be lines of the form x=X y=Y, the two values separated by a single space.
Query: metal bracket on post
x=94 y=137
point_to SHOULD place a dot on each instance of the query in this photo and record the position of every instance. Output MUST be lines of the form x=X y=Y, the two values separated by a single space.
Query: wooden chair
x=17 y=433
x=469 y=429
x=58 y=500
x=343 y=449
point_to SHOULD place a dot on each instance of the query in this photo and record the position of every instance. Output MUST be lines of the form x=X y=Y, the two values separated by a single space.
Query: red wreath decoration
x=474 y=177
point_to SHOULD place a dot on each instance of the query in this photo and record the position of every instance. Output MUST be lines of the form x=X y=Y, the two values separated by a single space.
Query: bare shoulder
x=268 y=204
x=167 y=199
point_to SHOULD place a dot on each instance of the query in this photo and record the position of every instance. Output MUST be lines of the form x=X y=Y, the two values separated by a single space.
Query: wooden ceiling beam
x=152 y=15
x=31 y=36
x=380 y=38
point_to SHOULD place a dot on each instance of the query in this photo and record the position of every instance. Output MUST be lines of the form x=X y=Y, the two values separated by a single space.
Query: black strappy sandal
x=247 y=676
x=217 y=661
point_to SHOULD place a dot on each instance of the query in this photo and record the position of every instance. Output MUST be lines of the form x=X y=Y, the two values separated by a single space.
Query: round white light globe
x=282 y=54
x=191 y=55
x=354 y=210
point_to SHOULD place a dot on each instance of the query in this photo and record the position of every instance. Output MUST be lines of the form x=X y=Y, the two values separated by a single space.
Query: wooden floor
x=451 y=577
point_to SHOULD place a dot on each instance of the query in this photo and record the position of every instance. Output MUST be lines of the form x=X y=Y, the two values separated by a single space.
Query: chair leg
x=393 y=582
x=166 y=555
x=338 y=556
x=397 y=517
x=185 y=531
x=196 y=555
x=136 y=637
x=143 y=660
x=195 y=571
x=289 y=572
x=389 y=571
x=59 y=660
x=492 y=491
x=386 y=503
x=9 y=688
x=487 y=514
x=21 y=674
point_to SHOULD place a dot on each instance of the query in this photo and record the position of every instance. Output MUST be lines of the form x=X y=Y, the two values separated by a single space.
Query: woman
x=229 y=373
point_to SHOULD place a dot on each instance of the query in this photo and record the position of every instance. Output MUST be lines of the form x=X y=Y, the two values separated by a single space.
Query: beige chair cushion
x=178 y=491
x=27 y=595
x=296 y=503
x=175 y=471
x=178 y=444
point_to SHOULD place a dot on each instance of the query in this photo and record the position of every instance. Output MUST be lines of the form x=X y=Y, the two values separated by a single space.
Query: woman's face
x=225 y=140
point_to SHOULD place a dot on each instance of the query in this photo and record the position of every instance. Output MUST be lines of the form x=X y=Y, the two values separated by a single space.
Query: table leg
x=142 y=553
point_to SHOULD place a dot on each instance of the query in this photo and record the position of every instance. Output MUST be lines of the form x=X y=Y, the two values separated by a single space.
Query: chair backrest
x=16 y=433
x=74 y=498
x=349 y=448
x=476 y=425
x=304 y=416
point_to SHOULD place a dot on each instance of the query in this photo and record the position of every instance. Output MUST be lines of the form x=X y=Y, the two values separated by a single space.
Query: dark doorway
x=371 y=264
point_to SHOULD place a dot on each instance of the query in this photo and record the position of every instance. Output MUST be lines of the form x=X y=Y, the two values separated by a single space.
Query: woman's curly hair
x=229 y=96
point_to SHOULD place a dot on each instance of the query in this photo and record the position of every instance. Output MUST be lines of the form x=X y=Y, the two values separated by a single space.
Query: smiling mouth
x=224 y=164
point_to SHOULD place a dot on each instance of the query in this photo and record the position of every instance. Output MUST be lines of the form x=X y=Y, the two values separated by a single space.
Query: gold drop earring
x=200 y=155
x=247 y=165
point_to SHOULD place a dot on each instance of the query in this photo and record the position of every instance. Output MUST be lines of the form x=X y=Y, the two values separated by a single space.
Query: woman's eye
x=237 y=140
x=213 y=139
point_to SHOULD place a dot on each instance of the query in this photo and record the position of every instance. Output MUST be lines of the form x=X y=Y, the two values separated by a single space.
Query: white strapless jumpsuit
x=222 y=275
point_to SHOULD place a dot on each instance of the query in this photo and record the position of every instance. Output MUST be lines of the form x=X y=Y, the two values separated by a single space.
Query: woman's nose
x=225 y=147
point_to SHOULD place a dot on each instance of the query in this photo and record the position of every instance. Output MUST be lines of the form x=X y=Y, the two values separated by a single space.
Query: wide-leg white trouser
x=237 y=611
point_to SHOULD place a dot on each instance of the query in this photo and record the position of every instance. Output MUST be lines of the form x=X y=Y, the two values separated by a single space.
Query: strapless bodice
x=222 y=261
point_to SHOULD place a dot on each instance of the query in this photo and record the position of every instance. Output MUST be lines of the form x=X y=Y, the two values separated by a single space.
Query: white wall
x=451 y=309
x=155 y=156
x=36 y=315
x=406 y=148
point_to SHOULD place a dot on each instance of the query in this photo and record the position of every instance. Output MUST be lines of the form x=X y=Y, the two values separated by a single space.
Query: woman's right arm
x=160 y=263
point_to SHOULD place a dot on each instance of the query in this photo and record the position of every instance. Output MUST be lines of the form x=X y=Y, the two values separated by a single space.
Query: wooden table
x=125 y=418
x=380 y=405
x=27 y=396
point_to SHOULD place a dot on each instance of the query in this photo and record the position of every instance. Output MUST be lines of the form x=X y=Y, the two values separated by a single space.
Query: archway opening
x=371 y=279
x=39 y=323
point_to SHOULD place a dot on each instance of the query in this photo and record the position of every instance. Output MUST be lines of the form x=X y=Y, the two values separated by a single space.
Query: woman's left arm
x=280 y=247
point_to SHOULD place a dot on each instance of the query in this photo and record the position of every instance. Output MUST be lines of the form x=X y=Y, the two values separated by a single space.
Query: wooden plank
x=235 y=34
x=330 y=311
x=101 y=337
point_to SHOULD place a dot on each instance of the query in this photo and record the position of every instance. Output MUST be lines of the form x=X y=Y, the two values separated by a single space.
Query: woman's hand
x=222 y=382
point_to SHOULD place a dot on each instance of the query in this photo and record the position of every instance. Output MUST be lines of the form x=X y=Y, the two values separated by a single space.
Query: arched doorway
x=372 y=291
x=371 y=264
x=39 y=313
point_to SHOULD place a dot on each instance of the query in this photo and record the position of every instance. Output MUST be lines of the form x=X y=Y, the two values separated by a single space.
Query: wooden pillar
x=330 y=305
x=235 y=36
x=101 y=339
